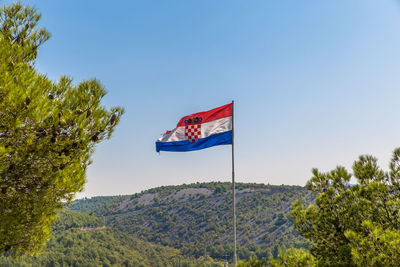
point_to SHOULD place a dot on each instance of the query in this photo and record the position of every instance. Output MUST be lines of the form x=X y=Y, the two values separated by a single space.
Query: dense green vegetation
x=196 y=218
x=351 y=225
x=48 y=132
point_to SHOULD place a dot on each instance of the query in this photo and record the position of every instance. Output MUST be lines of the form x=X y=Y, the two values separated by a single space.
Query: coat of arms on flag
x=193 y=129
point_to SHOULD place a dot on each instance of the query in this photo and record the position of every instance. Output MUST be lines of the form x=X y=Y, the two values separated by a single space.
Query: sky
x=315 y=83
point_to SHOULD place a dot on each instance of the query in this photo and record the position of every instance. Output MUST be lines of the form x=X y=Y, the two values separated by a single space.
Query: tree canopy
x=48 y=132
x=353 y=225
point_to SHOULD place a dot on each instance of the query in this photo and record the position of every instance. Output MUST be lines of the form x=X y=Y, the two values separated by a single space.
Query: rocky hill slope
x=197 y=218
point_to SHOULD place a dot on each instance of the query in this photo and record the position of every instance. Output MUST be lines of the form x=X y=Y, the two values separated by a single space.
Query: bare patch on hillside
x=184 y=194
x=147 y=199
x=243 y=192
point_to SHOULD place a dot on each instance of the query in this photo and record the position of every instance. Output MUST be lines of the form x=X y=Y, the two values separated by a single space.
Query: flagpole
x=233 y=189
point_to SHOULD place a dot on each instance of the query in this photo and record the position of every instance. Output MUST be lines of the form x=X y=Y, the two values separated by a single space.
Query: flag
x=199 y=130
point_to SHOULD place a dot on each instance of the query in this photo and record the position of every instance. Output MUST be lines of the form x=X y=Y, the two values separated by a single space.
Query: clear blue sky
x=316 y=83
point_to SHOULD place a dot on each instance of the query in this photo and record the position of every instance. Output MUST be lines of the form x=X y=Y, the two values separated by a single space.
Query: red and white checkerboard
x=193 y=132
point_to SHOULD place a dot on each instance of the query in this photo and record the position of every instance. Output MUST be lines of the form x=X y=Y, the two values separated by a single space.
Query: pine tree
x=48 y=132
x=353 y=225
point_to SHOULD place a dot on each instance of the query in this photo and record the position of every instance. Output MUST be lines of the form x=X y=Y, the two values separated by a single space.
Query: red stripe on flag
x=211 y=115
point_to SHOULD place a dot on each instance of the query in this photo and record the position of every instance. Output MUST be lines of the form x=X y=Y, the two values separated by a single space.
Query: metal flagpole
x=233 y=189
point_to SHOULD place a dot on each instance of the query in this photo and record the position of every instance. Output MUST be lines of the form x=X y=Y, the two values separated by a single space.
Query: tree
x=353 y=225
x=48 y=132
x=294 y=258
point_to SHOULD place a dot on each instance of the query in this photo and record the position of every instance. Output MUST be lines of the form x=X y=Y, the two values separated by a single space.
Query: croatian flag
x=199 y=130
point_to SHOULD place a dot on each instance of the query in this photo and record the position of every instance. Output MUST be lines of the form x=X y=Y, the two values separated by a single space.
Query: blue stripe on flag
x=224 y=138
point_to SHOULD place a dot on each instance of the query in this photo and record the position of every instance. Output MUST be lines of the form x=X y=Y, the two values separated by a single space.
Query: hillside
x=196 y=218
x=186 y=225
x=79 y=239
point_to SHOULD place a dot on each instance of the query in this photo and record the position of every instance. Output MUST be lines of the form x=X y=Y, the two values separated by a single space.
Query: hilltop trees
x=48 y=132
x=355 y=225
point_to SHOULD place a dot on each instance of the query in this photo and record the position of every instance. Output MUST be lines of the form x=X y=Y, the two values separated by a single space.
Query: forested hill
x=197 y=218
x=186 y=225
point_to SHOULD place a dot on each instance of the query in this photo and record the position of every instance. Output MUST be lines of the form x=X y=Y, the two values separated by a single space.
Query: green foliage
x=253 y=262
x=48 y=132
x=353 y=225
x=196 y=218
x=72 y=219
x=294 y=258
x=98 y=205
x=376 y=247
